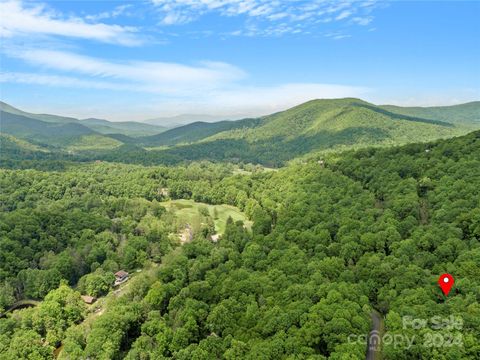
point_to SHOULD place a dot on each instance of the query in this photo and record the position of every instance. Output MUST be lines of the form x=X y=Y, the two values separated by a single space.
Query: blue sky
x=132 y=60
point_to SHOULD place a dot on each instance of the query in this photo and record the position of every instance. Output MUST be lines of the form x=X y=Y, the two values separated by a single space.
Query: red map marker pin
x=446 y=282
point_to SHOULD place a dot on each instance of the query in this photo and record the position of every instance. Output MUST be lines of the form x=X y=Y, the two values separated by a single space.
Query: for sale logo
x=433 y=332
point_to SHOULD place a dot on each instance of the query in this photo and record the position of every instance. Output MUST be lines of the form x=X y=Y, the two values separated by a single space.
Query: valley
x=306 y=251
x=239 y=180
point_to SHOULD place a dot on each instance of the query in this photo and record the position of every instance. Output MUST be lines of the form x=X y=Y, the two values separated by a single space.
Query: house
x=120 y=277
x=88 y=299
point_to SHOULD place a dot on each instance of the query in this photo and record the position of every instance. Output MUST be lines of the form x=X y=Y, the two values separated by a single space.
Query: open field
x=188 y=212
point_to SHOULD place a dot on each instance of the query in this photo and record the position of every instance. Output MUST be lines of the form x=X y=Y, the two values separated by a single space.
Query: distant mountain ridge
x=39 y=131
x=196 y=131
x=468 y=112
x=304 y=119
x=184 y=119
x=315 y=126
x=43 y=117
x=129 y=128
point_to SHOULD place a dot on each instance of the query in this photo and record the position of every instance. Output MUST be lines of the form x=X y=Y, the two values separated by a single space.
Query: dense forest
x=335 y=238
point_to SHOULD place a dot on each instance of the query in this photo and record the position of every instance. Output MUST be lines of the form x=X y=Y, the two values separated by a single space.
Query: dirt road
x=374 y=345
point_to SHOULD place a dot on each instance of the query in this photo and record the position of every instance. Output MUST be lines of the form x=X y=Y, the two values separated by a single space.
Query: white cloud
x=211 y=87
x=161 y=77
x=58 y=81
x=267 y=14
x=176 y=18
x=21 y=20
x=117 y=11
x=235 y=102
x=337 y=35
x=362 y=20
x=343 y=15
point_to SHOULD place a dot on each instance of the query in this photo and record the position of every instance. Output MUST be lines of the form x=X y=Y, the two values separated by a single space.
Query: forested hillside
x=42 y=132
x=10 y=116
x=196 y=131
x=127 y=128
x=464 y=113
x=331 y=242
x=6 y=108
x=319 y=126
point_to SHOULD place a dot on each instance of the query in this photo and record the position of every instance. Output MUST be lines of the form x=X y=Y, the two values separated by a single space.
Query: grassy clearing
x=239 y=171
x=153 y=148
x=252 y=169
x=94 y=142
x=188 y=212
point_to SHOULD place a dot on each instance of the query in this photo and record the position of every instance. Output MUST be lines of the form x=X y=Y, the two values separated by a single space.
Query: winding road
x=373 y=344
x=20 y=305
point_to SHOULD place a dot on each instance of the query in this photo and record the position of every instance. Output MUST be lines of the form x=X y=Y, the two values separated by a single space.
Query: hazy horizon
x=187 y=118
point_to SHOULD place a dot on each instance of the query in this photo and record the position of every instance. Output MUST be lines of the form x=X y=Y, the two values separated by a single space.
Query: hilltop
x=316 y=116
x=317 y=125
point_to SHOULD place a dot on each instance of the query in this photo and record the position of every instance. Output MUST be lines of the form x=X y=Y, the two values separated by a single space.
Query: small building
x=164 y=192
x=88 y=299
x=215 y=237
x=120 y=277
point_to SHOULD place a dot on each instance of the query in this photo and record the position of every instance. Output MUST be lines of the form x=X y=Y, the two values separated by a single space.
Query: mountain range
x=312 y=127
x=129 y=128
x=183 y=119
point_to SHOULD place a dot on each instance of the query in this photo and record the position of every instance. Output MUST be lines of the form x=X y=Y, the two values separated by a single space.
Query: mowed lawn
x=188 y=212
